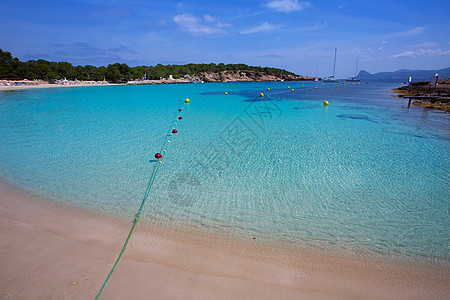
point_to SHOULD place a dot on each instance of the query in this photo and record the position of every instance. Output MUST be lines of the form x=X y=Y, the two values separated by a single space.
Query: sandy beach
x=7 y=85
x=48 y=251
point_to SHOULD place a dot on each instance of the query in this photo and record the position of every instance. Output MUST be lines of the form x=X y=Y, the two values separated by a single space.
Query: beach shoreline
x=11 y=85
x=51 y=251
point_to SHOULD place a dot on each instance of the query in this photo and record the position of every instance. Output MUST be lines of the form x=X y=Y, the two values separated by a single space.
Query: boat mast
x=334 y=65
x=356 y=70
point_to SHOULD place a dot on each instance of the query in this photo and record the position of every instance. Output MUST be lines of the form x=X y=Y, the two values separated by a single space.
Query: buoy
x=226 y=93
x=179 y=109
x=325 y=103
x=180 y=118
x=315 y=87
x=164 y=151
x=158 y=155
x=353 y=83
x=187 y=100
x=261 y=95
x=174 y=131
x=268 y=89
x=292 y=90
x=343 y=84
x=303 y=86
x=288 y=87
x=336 y=85
x=160 y=162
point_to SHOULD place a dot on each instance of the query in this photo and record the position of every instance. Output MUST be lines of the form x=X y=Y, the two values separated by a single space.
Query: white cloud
x=288 y=6
x=314 y=27
x=263 y=27
x=414 y=31
x=343 y=5
x=404 y=54
x=427 y=45
x=422 y=52
x=209 y=18
x=199 y=26
x=433 y=52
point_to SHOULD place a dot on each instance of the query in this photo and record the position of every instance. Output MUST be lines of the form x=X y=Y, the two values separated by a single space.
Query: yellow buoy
x=292 y=90
x=268 y=89
x=288 y=86
x=344 y=84
x=315 y=87
x=325 y=103
x=303 y=86
x=226 y=93
x=186 y=101
x=353 y=83
x=336 y=85
x=261 y=95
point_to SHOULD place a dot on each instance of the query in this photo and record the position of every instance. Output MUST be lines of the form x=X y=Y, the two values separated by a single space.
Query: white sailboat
x=354 y=79
x=331 y=78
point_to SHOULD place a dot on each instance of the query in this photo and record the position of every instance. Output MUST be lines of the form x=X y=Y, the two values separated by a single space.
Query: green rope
x=136 y=218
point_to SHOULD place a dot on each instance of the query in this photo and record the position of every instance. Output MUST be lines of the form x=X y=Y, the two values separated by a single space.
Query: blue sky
x=299 y=36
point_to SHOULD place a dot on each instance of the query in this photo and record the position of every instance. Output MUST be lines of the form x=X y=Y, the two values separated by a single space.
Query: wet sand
x=49 y=251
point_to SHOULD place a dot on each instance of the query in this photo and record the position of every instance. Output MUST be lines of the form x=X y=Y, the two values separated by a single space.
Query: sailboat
x=354 y=79
x=315 y=75
x=331 y=78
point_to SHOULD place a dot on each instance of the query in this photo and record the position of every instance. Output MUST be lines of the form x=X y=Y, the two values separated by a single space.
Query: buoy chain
x=137 y=216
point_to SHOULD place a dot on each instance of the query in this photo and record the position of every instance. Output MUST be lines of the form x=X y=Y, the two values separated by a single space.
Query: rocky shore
x=226 y=76
x=245 y=76
x=427 y=96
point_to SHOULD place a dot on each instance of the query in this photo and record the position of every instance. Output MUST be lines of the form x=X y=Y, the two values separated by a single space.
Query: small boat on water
x=355 y=78
x=196 y=80
x=331 y=78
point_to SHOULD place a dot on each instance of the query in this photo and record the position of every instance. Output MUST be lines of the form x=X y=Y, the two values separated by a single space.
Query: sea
x=364 y=175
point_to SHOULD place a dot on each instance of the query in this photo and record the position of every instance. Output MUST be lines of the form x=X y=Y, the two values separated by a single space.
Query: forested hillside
x=12 y=68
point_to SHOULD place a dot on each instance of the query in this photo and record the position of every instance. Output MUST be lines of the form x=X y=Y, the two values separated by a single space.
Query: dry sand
x=48 y=251
x=45 y=85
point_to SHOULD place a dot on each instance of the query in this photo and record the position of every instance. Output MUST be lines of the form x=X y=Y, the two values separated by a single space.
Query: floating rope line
x=147 y=193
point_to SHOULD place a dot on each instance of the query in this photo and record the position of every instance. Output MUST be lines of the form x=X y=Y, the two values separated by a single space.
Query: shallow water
x=364 y=175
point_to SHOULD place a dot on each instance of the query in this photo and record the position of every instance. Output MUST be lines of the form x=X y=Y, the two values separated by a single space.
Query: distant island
x=11 y=68
x=404 y=74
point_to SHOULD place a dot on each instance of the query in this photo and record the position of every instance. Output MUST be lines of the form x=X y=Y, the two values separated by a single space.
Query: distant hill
x=404 y=74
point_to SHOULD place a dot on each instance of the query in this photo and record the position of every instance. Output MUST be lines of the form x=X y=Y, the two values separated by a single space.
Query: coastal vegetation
x=12 y=68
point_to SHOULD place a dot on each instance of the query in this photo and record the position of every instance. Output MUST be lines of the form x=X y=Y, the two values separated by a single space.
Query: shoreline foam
x=55 y=252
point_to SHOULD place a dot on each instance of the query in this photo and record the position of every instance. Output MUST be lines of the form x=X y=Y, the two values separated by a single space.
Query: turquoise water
x=364 y=175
